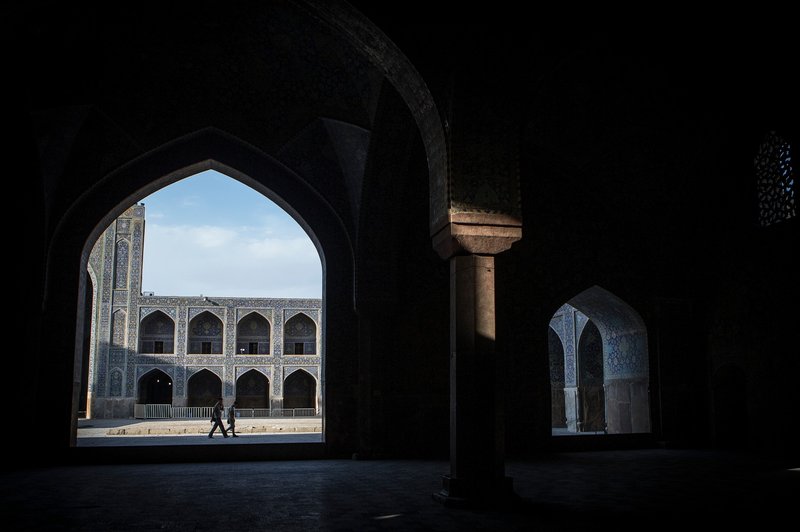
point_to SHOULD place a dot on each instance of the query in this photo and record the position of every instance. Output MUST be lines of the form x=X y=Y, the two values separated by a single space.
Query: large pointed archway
x=321 y=226
x=133 y=164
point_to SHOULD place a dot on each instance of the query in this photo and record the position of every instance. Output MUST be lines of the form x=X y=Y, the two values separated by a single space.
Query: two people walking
x=216 y=419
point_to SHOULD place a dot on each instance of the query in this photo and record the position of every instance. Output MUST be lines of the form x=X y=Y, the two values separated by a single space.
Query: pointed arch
x=299 y=390
x=155 y=387
x=253 y=333
x=606 y=364
x=376 y=47
x=157 y=333
x=253 y=390
x=205 y=334
x=203 y=388
x=93 y=211
x=300 y=335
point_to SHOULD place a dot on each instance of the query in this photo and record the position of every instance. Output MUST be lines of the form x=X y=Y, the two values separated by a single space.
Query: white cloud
x=191 y=201
x=235 y=262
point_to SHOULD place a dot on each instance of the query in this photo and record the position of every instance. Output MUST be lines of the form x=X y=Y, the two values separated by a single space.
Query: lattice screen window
x=775 y=176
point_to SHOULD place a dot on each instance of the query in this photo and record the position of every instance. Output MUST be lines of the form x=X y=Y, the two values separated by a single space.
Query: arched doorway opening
x=253 y=335
x=157 y=334
x=605 y=360
x=177 y=161
x=299 y=390
x=204 y=387
x=300 y=336
x=221 y=333
x=252 y=390
x=205 y=334
x=155 y=387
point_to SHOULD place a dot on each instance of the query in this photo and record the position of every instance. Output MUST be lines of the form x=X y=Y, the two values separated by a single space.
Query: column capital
x=476 y=233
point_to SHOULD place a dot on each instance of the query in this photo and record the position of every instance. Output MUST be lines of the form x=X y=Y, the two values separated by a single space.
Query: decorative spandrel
x=121 y=268
x=556 y=351
x=118 y=323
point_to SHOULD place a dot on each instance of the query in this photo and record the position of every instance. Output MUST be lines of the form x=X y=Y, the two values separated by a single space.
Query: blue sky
x=212 y=235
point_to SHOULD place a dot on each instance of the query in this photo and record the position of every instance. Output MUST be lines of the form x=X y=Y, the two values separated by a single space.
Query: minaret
x=115 y=268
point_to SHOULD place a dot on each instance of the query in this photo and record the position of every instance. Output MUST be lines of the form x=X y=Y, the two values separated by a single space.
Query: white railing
x=157 y=411
x=192 y=412
x=167 y=411
x=303 y=412
x=252 y=412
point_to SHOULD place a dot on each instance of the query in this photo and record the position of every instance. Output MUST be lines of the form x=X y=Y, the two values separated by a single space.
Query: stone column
x=571 y=407
x=477 y=469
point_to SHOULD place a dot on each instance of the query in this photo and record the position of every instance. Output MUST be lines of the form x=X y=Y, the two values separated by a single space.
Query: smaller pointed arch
x=203 y=388
x=300 y=335
x=253 y=333
x=157 y=334
x=205 y=335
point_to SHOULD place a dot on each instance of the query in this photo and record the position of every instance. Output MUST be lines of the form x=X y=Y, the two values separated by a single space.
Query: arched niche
x=155 y=387
x=157 y=334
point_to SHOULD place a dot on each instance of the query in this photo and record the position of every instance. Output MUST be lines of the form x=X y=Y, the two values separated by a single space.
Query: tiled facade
x=121 y=354
x=602 y=368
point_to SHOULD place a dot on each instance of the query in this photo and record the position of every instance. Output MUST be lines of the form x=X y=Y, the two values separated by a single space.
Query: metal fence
x=167 y=411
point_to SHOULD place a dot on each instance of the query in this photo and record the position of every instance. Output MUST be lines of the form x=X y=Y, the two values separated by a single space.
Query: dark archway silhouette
x=252 y=390
x=204 y=388
x=299 y=390
x=155 y=387
x=212 y=149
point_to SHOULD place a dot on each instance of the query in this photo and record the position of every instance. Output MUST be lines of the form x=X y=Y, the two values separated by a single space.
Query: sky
x=212 y=235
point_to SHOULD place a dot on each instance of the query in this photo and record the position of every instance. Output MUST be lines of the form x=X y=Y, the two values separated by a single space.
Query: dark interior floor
x=618 y=490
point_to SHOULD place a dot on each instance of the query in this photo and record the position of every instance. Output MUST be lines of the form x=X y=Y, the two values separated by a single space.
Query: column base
x=460 y=493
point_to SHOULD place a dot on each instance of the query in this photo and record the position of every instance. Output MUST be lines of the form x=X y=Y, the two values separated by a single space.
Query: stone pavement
x=138 y=432
x=142 y=427
x=642 y=490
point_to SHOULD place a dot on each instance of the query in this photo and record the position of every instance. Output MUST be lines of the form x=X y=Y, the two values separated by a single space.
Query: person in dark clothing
x=232 y=420
x=216 y=419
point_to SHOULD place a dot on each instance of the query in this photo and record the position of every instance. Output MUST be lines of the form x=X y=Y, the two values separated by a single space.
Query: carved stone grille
x=775 y=176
